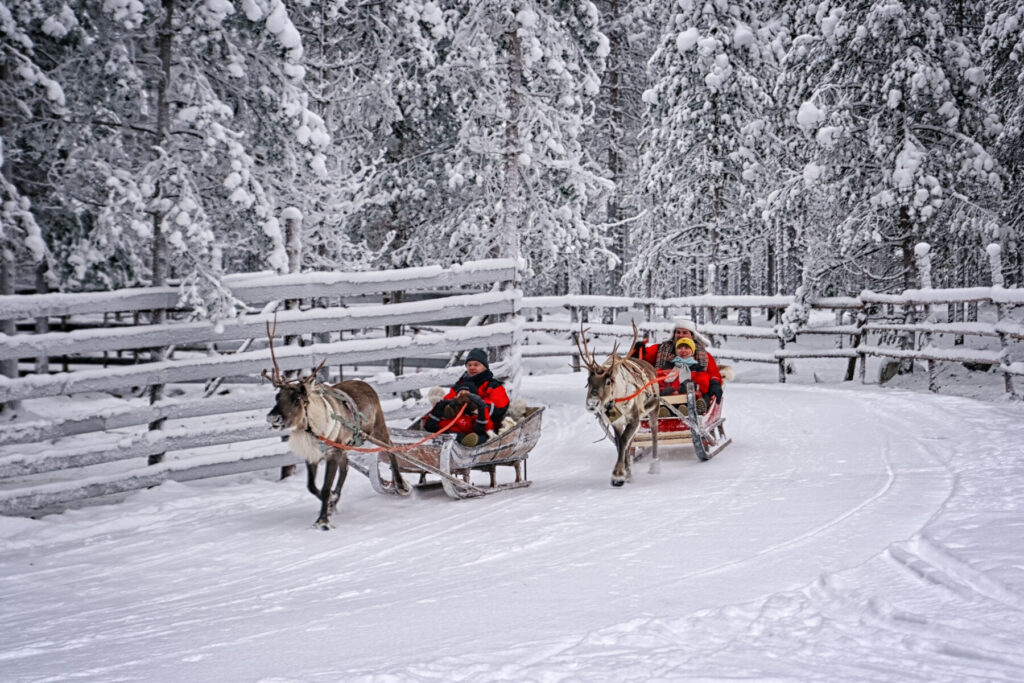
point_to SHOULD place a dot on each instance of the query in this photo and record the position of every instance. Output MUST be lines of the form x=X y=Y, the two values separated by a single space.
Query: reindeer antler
x=636 y=335
x=276 y=378
x=616 y=359
x=585 y=353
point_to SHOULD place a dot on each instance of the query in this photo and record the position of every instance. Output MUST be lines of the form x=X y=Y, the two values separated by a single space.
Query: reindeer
x=617 y=378
x=345 y=413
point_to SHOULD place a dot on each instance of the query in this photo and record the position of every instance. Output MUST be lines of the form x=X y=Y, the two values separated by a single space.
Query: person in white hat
x=705 y=372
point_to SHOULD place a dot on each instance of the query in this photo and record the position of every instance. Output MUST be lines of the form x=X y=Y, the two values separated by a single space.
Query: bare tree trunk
x=163 y=126
x=615 y=161
x=43 y=322
x=9 y=368
x=512 y=216
x=909 y=273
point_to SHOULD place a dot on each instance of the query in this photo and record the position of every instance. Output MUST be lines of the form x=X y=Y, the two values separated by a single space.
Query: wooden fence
x=73 y=440
x=88 y=431
x=905 y=326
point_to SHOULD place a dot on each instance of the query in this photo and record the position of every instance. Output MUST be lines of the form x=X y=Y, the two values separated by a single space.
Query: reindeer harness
x=354 y=425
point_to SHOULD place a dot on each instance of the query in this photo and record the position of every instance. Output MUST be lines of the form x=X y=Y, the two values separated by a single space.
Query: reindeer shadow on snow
x=322 y=420
x=621 y=392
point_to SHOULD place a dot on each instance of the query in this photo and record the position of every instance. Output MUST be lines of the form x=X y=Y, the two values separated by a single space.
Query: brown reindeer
x=620 y=377
x=346 y=413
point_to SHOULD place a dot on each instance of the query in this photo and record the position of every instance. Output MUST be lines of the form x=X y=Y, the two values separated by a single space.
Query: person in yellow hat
x=704 y=373
x=683 y=358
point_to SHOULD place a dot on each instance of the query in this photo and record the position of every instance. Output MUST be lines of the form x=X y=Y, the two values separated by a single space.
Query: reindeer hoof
x=323 y=525
x=618 y=482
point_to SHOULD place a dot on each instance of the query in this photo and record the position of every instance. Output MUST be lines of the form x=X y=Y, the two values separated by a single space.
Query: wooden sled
x=443 y=460
x=681 y=425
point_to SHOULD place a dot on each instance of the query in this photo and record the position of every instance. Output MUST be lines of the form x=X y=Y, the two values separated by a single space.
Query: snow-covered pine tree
x=161 y=162
x=896 y=136
x=31 y=105
x=369 y=75
x=613 y=138
x=520 y=78
x=1003 y=52
x=707 y=116
x=33 y=33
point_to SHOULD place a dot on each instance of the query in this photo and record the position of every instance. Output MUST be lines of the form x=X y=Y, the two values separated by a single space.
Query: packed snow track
x=845 y=535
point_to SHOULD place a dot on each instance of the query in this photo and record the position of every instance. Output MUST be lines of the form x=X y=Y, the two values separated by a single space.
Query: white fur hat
x=684 y=324
x=691 y=327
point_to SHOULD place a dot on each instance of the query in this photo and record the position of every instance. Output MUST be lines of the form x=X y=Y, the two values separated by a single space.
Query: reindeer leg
x=401 y=488
x=324 y=520
x=621 y=473
x=342 y=473
x=311 y=468
x=625 y=439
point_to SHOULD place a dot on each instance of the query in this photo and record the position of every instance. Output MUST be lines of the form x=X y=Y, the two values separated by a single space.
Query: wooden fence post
x=8 y=368
x=574 y=316
x=855 y=342
x=923 y=260
x=995 y=264
x=782 y=361
x=745 y=313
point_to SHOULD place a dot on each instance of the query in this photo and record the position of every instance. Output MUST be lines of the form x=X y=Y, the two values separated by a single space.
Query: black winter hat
x=478 y=355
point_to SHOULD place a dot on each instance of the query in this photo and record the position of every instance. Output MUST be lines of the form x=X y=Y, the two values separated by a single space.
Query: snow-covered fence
x=83 y=432
x=861 y=320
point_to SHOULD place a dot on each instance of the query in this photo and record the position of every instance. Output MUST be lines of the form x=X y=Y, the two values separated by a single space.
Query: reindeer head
x=600 y=378
x=289 y=411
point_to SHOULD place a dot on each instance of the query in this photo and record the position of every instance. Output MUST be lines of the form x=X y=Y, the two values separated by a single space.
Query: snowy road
x=846 y=535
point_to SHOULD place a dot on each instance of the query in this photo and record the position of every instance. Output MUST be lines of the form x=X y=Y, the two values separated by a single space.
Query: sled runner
x=443 y=460
x=681 y=423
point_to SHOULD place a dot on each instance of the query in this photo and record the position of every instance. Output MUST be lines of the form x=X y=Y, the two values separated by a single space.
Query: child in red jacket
x=685 y=348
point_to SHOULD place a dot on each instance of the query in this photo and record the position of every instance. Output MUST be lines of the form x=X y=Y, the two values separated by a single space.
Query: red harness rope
x=657 y=378
x=396 y=449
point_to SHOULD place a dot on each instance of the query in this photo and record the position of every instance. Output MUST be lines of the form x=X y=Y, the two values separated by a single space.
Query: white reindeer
x=620 y=392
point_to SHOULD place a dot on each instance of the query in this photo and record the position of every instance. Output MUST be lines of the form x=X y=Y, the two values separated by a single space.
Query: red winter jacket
x=495 y=404
x=702 y=377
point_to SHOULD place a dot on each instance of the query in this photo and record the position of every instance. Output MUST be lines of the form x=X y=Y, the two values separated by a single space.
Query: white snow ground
x=846 y=535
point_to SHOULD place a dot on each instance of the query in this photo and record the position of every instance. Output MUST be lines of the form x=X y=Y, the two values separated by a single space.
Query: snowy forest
x=642 y=148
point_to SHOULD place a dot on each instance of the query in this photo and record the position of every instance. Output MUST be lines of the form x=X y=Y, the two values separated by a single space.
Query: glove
x=715 y=389
x=472 y=402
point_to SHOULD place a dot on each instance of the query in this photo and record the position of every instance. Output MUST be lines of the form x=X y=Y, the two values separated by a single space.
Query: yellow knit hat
x=686 y=341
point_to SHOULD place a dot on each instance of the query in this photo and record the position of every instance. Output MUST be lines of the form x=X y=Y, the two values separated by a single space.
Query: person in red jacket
x=705 y=373
x=671 y=384
x=484 y=397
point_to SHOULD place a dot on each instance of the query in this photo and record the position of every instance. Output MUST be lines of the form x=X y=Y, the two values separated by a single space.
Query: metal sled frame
x=684 y=427
x=452 y=463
